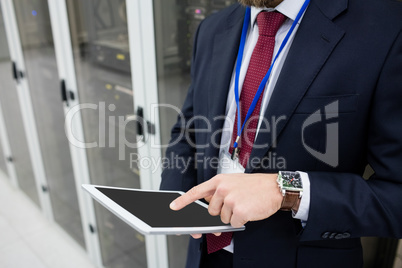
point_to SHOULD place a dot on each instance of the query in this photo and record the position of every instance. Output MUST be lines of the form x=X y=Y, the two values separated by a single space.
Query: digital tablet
x=149 y=213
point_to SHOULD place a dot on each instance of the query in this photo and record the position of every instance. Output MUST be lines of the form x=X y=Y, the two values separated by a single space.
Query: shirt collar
x=289 y=8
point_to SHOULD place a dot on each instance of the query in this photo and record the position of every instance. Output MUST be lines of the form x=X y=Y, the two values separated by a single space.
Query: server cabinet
x=15 y=130
x=3 y=166
x=3 y=54
x=99 y=38
x=42 y=75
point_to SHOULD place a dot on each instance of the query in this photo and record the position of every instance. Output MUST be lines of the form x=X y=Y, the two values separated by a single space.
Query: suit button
x=332 y=235
x=346 y=235
x=325 y=235
x=339 y=236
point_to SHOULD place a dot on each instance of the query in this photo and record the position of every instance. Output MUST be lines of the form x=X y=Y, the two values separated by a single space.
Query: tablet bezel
x=143 y=227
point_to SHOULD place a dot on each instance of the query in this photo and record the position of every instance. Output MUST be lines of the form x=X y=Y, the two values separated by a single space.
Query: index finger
x=200 y=191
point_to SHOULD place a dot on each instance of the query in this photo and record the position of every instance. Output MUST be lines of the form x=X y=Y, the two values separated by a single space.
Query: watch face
x=291 y=181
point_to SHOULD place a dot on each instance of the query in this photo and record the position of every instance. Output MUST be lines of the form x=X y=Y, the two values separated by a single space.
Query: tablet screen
x=153 y=209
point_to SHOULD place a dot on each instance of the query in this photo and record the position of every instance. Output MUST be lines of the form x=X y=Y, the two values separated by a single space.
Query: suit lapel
x=226 y=44
x=315 y=39
x=224 y=53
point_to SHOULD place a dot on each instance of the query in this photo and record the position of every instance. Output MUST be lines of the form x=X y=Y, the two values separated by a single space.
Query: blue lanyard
x=264 y=81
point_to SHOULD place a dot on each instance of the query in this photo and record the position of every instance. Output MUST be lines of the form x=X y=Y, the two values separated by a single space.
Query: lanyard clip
x=236 y=150
x=235 y=154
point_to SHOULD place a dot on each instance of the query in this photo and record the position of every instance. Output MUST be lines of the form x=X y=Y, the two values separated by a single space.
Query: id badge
x=229 y=166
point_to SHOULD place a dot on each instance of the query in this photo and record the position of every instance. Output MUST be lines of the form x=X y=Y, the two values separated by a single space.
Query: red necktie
x=268 y=25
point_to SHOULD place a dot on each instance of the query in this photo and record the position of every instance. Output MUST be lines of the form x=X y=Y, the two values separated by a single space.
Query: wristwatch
x=290 y=184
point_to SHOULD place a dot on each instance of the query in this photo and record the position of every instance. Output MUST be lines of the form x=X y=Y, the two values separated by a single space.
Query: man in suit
x=332 y=105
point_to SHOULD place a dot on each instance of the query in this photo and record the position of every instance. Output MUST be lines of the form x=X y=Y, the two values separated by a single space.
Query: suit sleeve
x=345 y=205
x=177 y=175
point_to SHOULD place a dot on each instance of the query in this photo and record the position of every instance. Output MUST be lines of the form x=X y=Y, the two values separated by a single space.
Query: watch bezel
x=285 y=188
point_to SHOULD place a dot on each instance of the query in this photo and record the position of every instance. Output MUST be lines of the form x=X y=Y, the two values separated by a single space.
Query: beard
x=260 y=3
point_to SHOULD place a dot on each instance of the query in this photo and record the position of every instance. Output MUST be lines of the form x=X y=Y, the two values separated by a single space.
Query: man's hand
x=237 y=198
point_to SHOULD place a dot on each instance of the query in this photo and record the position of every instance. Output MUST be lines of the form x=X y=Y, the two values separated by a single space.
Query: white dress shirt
x=289 y=8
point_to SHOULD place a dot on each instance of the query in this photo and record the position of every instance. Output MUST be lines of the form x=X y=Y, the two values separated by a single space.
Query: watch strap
x=291 y=201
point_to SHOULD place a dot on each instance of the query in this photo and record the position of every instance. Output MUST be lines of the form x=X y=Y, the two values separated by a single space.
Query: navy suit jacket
x=345 y=67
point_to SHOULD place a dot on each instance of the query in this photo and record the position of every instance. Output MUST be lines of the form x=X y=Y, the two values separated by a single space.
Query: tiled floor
x=28 y=239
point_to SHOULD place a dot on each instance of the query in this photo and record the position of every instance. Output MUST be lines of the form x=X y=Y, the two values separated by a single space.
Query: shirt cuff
x=302 y=213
